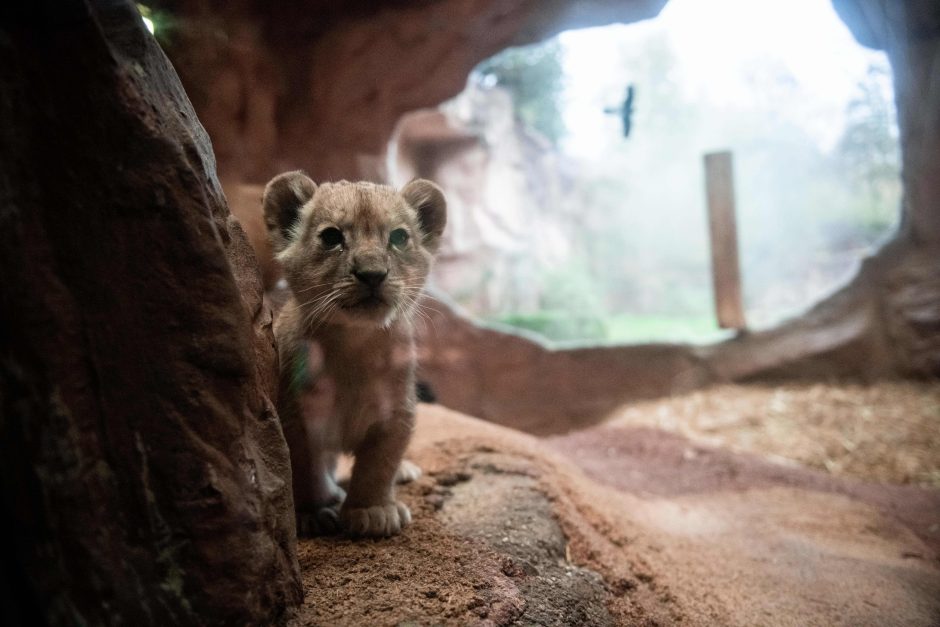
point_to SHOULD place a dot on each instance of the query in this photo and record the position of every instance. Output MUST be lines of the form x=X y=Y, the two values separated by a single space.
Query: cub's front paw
x=377 y=521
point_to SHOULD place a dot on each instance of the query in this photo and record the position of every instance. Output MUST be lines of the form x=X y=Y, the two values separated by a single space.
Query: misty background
x=595 y=237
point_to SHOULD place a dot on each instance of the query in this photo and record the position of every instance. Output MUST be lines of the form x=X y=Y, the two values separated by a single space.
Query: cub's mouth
x=370 y=302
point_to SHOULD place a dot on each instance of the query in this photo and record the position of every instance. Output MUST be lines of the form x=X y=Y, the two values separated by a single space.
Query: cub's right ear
x=283 y=197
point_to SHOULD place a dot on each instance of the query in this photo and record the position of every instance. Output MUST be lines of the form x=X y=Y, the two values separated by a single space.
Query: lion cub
x=356 y=257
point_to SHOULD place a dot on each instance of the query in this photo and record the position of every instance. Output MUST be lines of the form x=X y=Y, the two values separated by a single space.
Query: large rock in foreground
x=145 y=477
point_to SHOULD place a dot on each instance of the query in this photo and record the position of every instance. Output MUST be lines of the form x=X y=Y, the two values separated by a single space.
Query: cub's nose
x=372 y=278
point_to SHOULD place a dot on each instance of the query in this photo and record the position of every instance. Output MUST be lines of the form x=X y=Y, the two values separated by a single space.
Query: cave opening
x=565 y=227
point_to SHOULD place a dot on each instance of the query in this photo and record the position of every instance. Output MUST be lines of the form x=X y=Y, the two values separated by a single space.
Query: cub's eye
x=331 y=237
x=398 y=238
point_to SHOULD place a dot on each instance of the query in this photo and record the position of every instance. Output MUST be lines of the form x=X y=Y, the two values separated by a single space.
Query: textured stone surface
x=144 y=472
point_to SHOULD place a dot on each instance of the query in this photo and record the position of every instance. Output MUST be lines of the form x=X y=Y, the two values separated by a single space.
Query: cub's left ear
x=428 y=200
x=283 y=197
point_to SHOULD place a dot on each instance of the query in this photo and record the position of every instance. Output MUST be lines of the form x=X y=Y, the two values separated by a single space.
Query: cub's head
x=355 y=253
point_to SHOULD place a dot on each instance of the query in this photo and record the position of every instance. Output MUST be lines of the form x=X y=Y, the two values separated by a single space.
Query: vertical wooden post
x=726 y=273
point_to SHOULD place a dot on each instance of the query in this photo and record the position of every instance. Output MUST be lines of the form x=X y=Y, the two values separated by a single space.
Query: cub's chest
x=370 y=387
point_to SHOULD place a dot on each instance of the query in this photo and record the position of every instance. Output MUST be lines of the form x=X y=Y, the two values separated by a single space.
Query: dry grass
x=888 y=432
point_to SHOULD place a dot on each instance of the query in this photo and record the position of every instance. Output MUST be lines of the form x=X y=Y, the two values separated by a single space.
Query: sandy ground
x=624 y=524
x=883 y=433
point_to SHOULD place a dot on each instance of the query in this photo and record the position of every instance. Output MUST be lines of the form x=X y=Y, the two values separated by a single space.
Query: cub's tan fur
x=355 y=256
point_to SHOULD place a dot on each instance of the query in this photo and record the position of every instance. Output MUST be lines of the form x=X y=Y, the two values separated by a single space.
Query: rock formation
x=145 y=476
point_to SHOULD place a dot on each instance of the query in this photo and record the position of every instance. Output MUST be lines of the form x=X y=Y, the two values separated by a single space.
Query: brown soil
x=630 y=526
x=885 y=433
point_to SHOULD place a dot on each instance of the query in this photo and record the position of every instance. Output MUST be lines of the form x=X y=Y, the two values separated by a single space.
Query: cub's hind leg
x=308 y=400
x=317 y=503
x=407 y=472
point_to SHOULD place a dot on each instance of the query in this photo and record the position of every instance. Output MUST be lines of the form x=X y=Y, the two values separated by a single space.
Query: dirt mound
x=508 y=530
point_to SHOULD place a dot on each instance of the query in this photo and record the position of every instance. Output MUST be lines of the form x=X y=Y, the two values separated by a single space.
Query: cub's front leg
x=370 y=508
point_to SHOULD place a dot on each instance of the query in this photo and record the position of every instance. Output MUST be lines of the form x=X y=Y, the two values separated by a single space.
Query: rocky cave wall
x=145 y=479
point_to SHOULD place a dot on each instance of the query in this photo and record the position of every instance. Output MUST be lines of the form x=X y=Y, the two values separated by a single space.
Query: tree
x=533 y=75
x=868 y=150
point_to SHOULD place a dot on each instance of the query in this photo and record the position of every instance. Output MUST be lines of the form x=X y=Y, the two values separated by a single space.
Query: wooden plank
x=726 y=272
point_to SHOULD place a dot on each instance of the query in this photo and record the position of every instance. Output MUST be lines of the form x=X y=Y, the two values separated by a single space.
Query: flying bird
x=625 y=110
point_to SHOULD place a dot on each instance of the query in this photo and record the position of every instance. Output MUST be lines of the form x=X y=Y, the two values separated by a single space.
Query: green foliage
x=570 y=308
x=572 y=288
x=564 y=326
x=559 y=326
x=533 y=76
x=629 y=329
